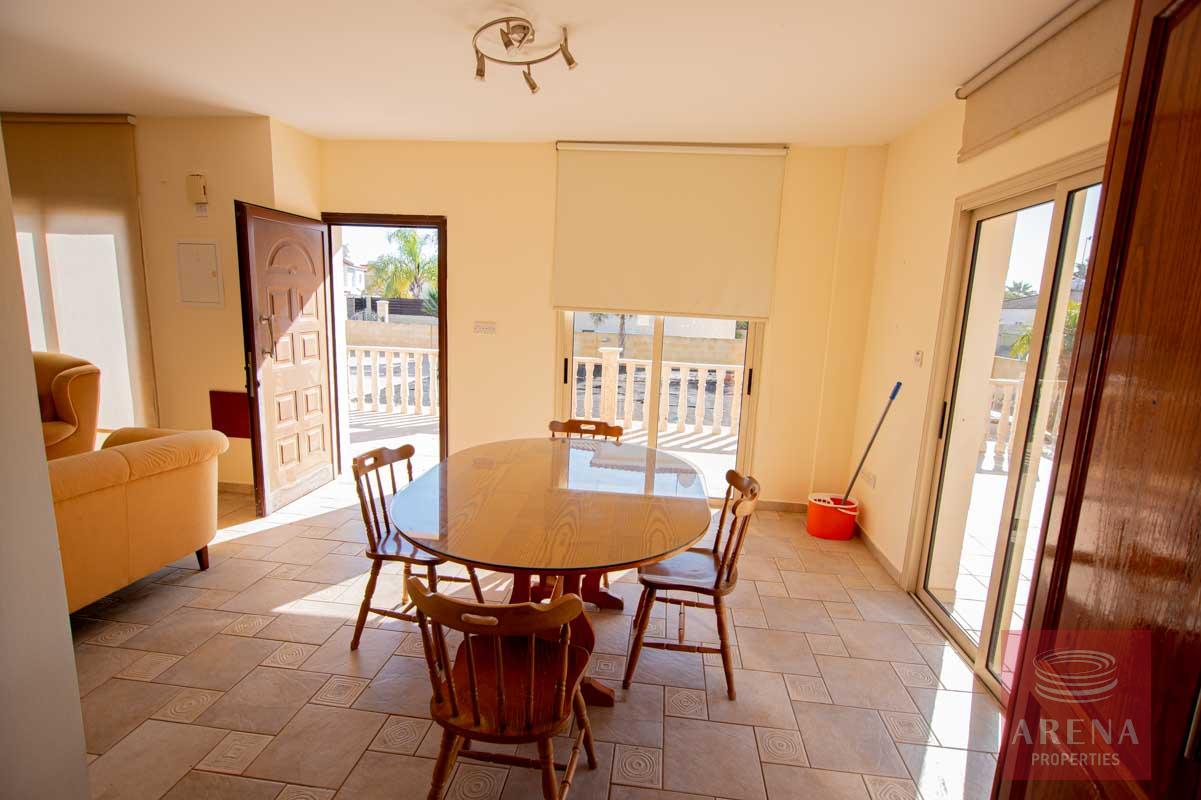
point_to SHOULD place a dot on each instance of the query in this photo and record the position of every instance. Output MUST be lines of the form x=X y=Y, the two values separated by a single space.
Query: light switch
x=199 y=274
x=198 y=190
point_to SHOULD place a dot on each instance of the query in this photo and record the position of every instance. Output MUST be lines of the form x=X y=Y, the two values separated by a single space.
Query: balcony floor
x=238 y=681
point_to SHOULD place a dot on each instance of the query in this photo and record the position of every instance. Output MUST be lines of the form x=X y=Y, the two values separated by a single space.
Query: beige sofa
x=69 y=401
x=147 y=498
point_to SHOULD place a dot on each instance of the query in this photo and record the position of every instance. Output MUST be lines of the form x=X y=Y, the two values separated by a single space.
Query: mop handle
x=892 y=396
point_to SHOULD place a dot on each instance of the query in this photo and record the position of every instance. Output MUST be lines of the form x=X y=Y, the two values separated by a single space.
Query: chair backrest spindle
x=373 y=499
x=744 y=491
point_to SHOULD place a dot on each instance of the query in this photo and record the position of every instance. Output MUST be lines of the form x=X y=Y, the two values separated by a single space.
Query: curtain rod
x=1027 y=45
x=670 y=147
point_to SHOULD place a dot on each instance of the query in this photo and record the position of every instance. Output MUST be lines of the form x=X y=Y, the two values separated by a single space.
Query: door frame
x=250 y=357
x=1054 y=182
x=564 y=391
x=426 y=222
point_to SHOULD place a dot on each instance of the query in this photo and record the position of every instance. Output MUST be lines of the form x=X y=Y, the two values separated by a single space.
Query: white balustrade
x=365 y=365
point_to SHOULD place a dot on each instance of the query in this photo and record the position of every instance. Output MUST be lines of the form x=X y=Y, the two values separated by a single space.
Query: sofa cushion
x=55 y=432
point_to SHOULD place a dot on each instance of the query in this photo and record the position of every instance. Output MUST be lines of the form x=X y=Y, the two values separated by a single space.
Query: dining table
x=574 y=509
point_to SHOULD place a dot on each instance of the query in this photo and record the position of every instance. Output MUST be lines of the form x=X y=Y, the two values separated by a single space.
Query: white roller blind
x=674 y=230
x=1081 y=60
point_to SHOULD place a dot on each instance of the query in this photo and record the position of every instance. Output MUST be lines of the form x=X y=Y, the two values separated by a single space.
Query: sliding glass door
x=1025 y=274
x=681 y=384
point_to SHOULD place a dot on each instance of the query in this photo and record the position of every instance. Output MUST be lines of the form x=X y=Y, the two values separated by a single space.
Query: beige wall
x=295 y=170
x=41 y=729
x=922 y=181
x=199 y=348
x=499 y=200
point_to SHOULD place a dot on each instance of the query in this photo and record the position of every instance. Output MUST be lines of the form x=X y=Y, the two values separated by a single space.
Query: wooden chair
x=515 y=678
x=706 y=571
x=586 y=427
x=384 y=542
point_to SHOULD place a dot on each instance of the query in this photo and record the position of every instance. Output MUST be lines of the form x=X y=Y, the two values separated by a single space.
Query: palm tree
x=1018 y=289
x=409 y=270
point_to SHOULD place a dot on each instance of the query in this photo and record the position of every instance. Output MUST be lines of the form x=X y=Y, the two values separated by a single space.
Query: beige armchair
x=69 y=400
x=147 y=498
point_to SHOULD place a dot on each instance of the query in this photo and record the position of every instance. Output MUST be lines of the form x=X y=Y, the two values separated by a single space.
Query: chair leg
x=475 y=585
x=202 y=557
x=648 y=604
x=366 y=606
x=447 y=753
x=550 y=781
x=581 y=719
x=723 y=634
x=431 y=577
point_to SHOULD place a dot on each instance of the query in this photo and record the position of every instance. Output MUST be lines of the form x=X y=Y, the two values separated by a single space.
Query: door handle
x=1192 y=743
x=268 y=351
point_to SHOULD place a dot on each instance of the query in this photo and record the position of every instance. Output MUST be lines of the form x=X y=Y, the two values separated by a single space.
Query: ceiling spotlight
x=514 y=34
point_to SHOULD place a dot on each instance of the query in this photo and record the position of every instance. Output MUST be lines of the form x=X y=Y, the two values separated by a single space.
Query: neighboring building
x=354 y=277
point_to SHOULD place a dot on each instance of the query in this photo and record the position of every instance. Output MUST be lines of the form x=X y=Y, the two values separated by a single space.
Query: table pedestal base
x=590 y=591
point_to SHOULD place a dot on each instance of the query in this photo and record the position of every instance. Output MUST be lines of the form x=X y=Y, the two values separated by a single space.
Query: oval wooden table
x=575 y=508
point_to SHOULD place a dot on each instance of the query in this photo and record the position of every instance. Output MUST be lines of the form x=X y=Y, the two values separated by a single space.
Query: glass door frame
x=564 y=396
x=1058 y=192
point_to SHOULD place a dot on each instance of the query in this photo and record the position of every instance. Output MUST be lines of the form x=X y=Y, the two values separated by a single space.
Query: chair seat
x=693 y=570
x=516 y=668
x=395 y=547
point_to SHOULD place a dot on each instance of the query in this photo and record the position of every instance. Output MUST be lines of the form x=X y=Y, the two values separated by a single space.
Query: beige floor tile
x=781 y=747
x=743 y=596
x=713 y=759
x=908 y=728
x=635 y=718
x=306 y=622
x=689 y=703
x=890 y=788
x=640 y=793
x=95 y=665
x=306 y=793
x=916 y=675
x=117 y=707
x=924 y=634
x=248 y=624
x=401 y=735
x=762 y=699
x=758 y=568
x=842 y=610
x=796 y=783
x=612 y=633
x=335 y=569
x=148 y=667
x=814 y=586
x=771 y=589
x=961 y=719
x=182 y=631
x=232 y=575
x=340 y=690
x=263 y=701
x=273 y=536
x=825 y=645
x=807 y=689
x=336 y=657
x=472 y=780
x=401 y=687
x=149 y=604
x=884 y=641
x=234 y=753
x=880 y=606
x=848 y=740
x=219 y=663
x=669 y=668
x=830 y=563
x=271 y=596
x=377 y=776
x=302 y=551
x=789 y=614
x=637 y=766
x=149 y=761
x=187 y=705
x=778 y=651
x=592 y=784
x=864 y=683
x=945 y=774
x=215 y=786
x=952 y=671
x=113 y=634
x=210 y=598
x=319 y=747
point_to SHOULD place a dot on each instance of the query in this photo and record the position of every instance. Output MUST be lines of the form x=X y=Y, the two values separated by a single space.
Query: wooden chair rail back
x=586 y=427
x=373 y=499
x=522 y=628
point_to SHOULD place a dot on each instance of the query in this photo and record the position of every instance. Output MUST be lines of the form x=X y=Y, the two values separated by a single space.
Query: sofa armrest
x=74 y=390
x=128 y=435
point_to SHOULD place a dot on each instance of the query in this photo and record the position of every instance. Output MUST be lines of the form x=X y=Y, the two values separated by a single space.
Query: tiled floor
x=238 y=682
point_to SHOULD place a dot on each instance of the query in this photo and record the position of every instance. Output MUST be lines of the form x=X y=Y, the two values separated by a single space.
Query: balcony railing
x=1004 y=400
x=396 y=380
x=615 y=389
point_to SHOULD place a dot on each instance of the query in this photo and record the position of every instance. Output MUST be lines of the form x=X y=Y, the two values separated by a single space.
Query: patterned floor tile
x=340 y=690
x=116 y=633
x=248 y=625
x=401 y=735
x=289 y=655
x=148 y=667
x=476 y=782
x=234 y=753
x=890 y=788
x=638 y=766
x=685 y=703
x=781 y=747
x=187 y=705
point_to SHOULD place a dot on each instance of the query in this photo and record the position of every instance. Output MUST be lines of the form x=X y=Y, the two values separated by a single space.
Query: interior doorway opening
x=389 y=301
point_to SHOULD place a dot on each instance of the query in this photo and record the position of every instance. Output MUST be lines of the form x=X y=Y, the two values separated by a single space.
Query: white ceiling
x=826 y=73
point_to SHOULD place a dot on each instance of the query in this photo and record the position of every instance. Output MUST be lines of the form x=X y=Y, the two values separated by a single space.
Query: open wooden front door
x=285 y=320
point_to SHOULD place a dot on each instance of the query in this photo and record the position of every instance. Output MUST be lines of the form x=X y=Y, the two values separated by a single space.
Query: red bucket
x=829 y=517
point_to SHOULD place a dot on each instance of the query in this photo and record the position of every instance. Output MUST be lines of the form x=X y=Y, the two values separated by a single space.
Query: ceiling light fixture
x=515 y=34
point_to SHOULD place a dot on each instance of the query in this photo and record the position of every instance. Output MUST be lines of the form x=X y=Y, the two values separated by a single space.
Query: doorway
x=1026 y=269
x=680 y=384
x=390 y=336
